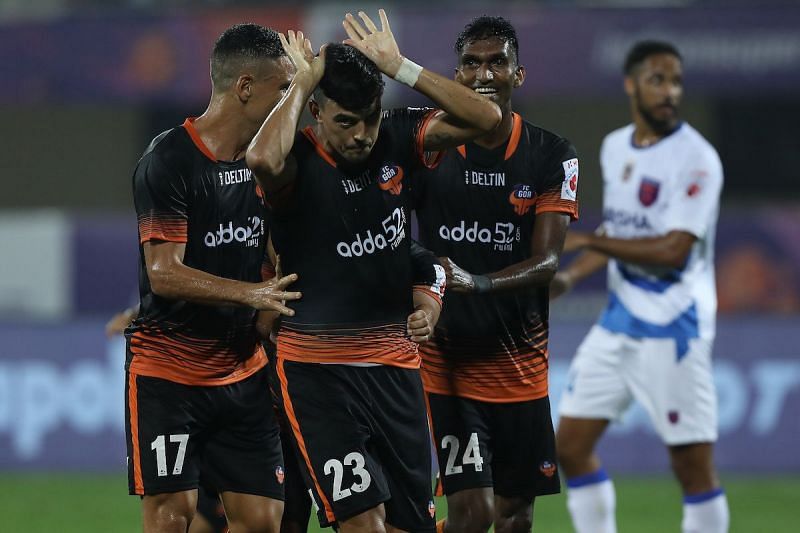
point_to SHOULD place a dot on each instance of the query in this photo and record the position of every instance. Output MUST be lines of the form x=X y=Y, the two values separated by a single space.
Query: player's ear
x=519 y=76
x=244 y=87
x=630 y=86
x=313 y=108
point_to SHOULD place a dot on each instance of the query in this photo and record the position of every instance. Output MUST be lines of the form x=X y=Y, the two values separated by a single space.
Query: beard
x=658 y=125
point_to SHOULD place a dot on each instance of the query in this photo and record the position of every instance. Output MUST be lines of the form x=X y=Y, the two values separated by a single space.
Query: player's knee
x=258 y=519
x=168 y=511
x=370 y=521
x=470 y=511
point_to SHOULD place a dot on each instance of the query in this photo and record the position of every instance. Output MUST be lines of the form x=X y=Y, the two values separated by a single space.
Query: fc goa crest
x=390 y=178
x=648 y=191
x=522 y=198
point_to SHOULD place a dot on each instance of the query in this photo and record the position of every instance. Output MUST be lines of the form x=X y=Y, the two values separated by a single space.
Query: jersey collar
x=513 y=141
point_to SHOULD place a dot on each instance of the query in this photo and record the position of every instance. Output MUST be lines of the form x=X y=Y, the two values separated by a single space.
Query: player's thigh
x=210 y=517
x=243 y=451
x=250 y=512
x=461 y=428
x=403 y=445
x=524 y=447
x=677 y=390
x=165 y=424
x=595 y=386
x=330 y=414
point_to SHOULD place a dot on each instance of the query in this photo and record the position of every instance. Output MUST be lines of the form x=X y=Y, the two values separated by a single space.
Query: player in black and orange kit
x=495 y=211
x=196 y=391
x=348 y=360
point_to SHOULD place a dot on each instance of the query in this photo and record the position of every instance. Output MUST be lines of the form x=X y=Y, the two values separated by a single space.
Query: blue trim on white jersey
x=618 y=319
x=657 y=285
x=588 y=479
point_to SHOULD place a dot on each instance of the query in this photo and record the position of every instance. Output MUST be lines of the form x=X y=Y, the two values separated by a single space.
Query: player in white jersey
x=662 y=182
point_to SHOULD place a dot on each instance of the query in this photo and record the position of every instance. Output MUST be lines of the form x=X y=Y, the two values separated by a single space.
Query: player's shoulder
x=171 y=148
x=694 y=141
x=618 y=137
x=539 y=139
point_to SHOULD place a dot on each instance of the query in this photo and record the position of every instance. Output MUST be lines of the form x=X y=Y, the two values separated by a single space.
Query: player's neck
x=222 y=132
x=500 y=134
x=646 y=135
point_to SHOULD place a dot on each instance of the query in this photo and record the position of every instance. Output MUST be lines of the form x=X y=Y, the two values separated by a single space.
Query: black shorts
x=363 y=435
x=228 y=432
x=507 y=446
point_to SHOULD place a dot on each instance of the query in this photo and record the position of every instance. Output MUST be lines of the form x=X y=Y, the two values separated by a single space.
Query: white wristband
x=408 y=73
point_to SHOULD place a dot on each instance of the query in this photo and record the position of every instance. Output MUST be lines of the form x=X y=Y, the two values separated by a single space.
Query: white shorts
x=610 y=370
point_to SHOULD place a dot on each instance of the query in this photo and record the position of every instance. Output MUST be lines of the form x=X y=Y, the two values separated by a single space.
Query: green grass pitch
x=99 y=503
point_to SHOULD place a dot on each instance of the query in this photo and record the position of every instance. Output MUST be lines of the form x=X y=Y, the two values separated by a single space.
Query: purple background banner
x=567 y=51
x=61 y=398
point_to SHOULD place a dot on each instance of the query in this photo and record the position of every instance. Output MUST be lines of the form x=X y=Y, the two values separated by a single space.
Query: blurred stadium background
x=85 y=84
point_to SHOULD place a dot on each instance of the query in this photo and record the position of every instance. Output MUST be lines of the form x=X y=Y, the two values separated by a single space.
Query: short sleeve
x=408 y=127
x=694 y=201
x=558 y=186
x=161 y=198
x=427 y=274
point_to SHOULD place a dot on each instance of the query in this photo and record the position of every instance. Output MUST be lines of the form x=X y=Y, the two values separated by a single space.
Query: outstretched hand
x=378 y=45
x=301 y=54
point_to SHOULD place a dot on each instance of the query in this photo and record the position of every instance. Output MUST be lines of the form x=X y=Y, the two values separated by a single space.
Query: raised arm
x=269 y=154
x=466 y=114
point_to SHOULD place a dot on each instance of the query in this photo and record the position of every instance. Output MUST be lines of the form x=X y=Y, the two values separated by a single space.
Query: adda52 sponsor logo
x=227 y=233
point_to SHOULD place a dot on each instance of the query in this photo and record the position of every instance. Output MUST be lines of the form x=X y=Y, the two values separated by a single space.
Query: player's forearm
x=478 y=114
x=427 y=303
x=587 y=263
x=180 y=282
x=538 y=271
x=659 y=251
x=267 y=153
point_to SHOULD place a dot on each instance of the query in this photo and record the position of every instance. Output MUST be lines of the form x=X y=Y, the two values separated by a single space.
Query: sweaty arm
x=546 y=242
x=466 y=114
x=170 y=278
x=269 y=154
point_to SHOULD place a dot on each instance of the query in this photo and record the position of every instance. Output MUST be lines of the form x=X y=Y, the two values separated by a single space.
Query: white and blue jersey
x=672 y=185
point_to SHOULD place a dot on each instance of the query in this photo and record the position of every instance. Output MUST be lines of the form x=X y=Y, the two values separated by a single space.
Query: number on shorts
x=160 y=447
x=356 y=460
x=472 y=455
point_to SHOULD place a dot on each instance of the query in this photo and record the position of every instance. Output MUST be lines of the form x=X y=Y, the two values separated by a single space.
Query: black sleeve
x=557 y=179
x=161 y=198
x=427 y=274
x=406 y=129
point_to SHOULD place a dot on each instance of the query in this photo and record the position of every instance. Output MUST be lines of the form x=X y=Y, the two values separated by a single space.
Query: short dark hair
x=351 y=79
x=239 y=44
x=644 y=49
x=485 y=27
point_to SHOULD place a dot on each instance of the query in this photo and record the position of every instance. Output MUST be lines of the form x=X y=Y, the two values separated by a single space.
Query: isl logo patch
x=390 y=178
x=522 y=197
x=431 y=508
x=280 y=474
x=547 y=468
x=569 y=187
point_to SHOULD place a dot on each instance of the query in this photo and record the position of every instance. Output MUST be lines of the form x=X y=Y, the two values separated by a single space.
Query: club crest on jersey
x=547 y=468
x=280 y=474
x=390 y=178
x=648 y=191
x=431 y=508
x=673 y=417
x=522 y=197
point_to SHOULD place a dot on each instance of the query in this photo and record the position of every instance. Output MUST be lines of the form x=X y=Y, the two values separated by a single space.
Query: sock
x=440 y=525
x=591 y=502
x=706 y=512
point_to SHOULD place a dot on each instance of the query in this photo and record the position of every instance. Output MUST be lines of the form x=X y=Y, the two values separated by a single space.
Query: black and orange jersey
x=183 y=194
x=479 y=207
x=345 y=232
